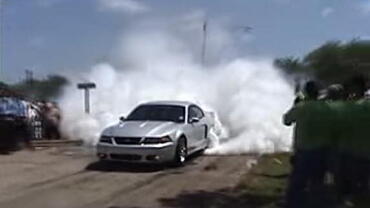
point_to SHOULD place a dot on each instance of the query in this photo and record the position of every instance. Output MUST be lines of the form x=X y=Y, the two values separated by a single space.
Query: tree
x=333 y=62
x=44 y=89
x=290 y=65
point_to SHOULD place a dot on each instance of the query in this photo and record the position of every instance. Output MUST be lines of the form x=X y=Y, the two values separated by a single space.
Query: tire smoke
x=155 y=61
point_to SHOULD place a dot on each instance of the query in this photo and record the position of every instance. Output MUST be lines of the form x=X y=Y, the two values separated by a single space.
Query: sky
x=67 y=36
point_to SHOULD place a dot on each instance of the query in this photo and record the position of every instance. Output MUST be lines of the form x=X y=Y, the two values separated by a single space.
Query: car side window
x=192 y=113
x=199 y=112
x=195 y=111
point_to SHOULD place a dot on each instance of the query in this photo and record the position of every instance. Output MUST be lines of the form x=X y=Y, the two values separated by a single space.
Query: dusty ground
x=71 y=178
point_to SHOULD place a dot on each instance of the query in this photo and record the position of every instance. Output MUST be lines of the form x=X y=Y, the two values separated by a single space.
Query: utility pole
x=29 y=76
x=246 y=29
x=2 y=40
x=204 y=42
x=87 y=86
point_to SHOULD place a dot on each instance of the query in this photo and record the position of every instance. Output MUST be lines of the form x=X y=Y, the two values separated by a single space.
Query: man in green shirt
x=339 y=131
x=310 y=142
x=353 y=144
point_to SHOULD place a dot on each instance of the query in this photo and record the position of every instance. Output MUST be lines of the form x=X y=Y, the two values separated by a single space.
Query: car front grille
x=126 y=157
x=127 y=140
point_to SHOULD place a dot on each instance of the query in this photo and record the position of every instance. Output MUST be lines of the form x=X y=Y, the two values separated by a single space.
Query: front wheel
x=181 y=152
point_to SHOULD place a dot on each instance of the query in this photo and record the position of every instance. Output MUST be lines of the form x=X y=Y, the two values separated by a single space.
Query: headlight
x=106 y=139
x=157 y=140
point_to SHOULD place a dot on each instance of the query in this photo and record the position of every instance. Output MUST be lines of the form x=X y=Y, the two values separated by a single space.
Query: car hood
x=141 y=129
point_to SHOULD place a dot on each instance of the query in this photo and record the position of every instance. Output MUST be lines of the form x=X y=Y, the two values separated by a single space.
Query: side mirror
x=194 y=120
x=122 y=118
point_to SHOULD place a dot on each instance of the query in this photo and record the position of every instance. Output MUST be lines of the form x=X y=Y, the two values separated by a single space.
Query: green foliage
x=333 y=62
x=3 y=85
x=264 y=185
x=290 y=65
x=45 y=89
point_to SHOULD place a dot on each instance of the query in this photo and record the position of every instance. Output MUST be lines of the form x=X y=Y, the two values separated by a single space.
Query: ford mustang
x=157 y=132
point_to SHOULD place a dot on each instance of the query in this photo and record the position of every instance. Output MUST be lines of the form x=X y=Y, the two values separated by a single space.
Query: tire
x=181 y=152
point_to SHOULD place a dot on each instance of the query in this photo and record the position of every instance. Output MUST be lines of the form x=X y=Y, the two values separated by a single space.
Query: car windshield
x=158 y=113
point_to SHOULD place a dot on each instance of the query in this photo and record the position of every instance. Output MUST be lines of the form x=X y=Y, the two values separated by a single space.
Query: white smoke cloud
x=127 y=6
x=162 y=63
x=327 y=12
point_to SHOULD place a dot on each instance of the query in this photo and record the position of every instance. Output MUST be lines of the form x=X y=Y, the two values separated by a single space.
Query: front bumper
x=156 y=153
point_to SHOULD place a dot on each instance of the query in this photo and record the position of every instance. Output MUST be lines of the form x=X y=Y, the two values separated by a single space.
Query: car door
x=198 y=128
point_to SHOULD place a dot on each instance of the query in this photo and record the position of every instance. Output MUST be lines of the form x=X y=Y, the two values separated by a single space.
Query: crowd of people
x=22 y=121
x=331 y=143
x=50 y=119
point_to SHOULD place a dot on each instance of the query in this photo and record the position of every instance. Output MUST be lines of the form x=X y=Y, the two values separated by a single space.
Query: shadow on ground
x=109 y=166
x=112 y=166
x=224 y=198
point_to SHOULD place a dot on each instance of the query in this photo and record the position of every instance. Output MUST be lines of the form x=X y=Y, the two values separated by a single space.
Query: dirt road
x=71 y=178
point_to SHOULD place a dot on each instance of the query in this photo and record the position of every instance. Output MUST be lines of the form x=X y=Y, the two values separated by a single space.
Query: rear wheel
x=181 y=152
x=208 y=143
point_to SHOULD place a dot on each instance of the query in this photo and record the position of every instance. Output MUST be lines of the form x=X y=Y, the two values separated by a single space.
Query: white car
x=157 y=132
